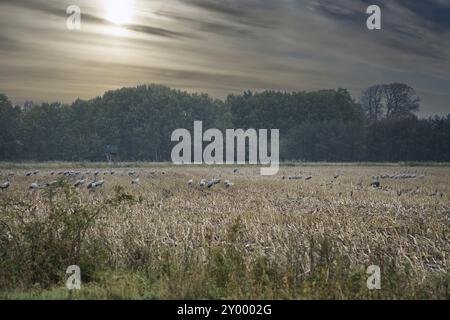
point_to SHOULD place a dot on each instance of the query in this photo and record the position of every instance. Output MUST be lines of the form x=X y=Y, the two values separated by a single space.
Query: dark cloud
x=404 y=32
x=435 y=15
x=211 y=26
x=8 y=44
x=38 y=5
x=255 y=13
x=156 y=31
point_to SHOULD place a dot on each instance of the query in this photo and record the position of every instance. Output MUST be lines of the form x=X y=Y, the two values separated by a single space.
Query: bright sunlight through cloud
x=119 y=11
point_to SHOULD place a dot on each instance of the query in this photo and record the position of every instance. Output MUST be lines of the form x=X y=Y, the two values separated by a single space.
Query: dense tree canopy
x=326 y=125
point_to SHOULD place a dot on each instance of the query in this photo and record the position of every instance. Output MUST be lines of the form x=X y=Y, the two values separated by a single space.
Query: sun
x=119 y=11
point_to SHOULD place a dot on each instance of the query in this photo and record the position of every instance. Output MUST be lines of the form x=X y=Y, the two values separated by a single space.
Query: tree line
x=325 y=125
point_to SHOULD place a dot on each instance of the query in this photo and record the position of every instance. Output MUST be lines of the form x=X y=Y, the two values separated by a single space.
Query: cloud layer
x=225 y=46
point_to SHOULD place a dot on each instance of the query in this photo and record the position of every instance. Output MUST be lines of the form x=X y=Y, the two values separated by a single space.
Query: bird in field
x=202 y=183
x=308 y=178
x=190 y=182
x=79 y=182
x=44 y=186
x=29 y=174
x=34 y=186
x=212 y=182
x=96 y=184
x=375 y=182
x=135 y=180
x=228 y=184
x=5 y=185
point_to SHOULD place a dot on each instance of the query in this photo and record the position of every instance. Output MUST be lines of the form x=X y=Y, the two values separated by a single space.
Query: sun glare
x=119 y=11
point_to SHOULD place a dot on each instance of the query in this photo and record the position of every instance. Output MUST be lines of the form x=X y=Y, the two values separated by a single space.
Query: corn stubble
x=262 y=238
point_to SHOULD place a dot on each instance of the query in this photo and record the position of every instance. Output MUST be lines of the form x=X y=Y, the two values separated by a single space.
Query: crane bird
x=202 y=183
x=29 y=174
x=375 y=182
x=135 y=180
x=308 y=178
x=131 y=173
x=212 y=182
x=96 y=184
x=79 y=182
x=44 y=186
x=190 y=182
x=228 y=184
x=34 y=186
x=5 y=185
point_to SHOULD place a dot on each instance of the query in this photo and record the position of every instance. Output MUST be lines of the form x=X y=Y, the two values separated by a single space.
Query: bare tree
x=372 y=102
x=401 y=100
x=389 y=100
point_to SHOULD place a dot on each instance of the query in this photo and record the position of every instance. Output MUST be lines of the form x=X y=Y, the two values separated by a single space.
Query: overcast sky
x=223 y=46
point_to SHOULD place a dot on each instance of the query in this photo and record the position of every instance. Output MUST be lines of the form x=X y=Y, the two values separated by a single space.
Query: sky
x=223 y=46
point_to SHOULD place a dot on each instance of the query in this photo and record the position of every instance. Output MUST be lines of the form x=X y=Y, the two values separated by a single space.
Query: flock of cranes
x=78 y=179
x=396 y=176
x=298 y=177
x=204 y=183
x=69 y=175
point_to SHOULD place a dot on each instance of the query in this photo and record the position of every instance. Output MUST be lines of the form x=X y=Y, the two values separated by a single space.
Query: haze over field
x=223 y=47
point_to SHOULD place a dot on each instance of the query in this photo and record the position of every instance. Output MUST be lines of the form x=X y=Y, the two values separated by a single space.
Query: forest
x=327 y=125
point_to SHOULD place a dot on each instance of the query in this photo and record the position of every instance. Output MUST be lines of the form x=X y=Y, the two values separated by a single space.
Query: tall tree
x=401 y=100
x=372 y=102
x=9 y=126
